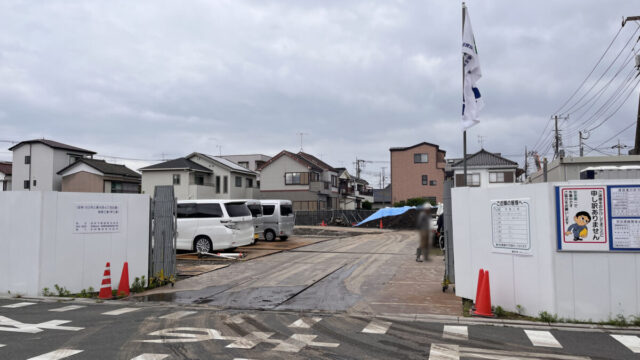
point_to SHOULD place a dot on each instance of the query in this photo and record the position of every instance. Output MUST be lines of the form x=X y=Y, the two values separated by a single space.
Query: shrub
x=62 y=291
x=546 y=317
x=499 y=311
x=139 y=284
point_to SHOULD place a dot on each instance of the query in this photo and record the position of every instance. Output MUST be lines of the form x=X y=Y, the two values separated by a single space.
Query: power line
x=614 y=136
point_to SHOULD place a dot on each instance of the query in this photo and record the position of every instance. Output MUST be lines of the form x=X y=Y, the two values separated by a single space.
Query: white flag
x=471 y=100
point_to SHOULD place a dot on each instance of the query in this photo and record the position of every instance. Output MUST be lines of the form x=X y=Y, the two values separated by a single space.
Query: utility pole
x=636 y=147
x=383 y=176
x=581 y=147
x=557 y=143
x=526 y=162
x=619 y=147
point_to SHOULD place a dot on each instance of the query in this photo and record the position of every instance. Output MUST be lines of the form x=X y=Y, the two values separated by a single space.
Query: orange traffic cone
x=483 y=304
x=380 y=223
x=105 y=288
x=123 y=287
x=480 y=280
x=323 y=223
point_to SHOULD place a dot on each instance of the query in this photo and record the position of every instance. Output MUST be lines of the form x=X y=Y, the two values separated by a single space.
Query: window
x=286 y=210
x=238 y=181
x=420 y=158
x=176 y=179
x=473 y=179
x=244 y=164
x=425 y=180
x=496 y=177
x=217 y=184
x=249 y=183
x=259 y=163
x=256 y=210
x=27 y=160
x=433 y=183
x=198 y=179
x=225 y=184
x=236 y=209
x=26 y=184
x=296 y=178
x=74 y=158
x=199 y=211
x=334 y=181
x=116 y=187
x=35 y=182
x=314 y=176
x=268 y=209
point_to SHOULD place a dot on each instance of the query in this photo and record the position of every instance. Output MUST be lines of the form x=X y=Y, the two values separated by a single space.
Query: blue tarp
x=389 y=211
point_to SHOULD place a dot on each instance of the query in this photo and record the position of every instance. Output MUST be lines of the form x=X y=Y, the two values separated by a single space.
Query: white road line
x=120 y=311
x=177 y=315
x=151 y=357
x=542 y=338
x=444 y=352
x=377 y=327
x=455 y=332
x=305 y=323
x=477 y=353
x=2 y=345
x=632 y=342
x=237 y=319
x=18 y=305
x=68 y=308
x=58 y=354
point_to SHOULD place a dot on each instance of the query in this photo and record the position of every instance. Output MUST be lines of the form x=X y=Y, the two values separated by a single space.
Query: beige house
x=91 y=175
x=201 y=176
x=310 y=183
x=569 y=168
x=485 y=169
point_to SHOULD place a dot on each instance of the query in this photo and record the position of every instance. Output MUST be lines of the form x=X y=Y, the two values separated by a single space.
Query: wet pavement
x=371 y=273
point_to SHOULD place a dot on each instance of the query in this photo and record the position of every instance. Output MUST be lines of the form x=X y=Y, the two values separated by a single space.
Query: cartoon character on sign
x=579 y=227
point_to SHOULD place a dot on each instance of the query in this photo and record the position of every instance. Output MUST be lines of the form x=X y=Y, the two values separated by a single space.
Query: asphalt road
x=31 y=329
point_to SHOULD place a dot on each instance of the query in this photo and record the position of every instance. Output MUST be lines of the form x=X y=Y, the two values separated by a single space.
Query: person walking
x=423 y=224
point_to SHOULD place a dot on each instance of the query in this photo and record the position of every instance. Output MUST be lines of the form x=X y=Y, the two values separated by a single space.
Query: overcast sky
x=154 y=79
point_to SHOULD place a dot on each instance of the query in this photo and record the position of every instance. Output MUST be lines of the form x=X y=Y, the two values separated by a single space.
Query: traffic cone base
x=123 y=286
x=483 y=303
x=105 y=287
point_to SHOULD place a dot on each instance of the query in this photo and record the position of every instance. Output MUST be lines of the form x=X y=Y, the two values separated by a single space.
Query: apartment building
x=417 y=171
x=36 y=163
x=310 y=183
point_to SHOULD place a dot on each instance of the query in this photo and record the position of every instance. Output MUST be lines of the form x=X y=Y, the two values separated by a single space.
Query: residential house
x=485 y=169
x=36 y=163
x=569 y=168
x=417 y=172
x=382 y=197
x=5 y=176
x=353 y=191
x=310 y=183
x=92 y=175
x=251 y=161
x=201 y=176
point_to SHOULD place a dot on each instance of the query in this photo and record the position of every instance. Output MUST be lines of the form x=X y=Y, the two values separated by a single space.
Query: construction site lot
x=359 y=272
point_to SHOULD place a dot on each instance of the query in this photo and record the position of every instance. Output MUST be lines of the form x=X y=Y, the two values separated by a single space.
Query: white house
x=485 y=169
x=201 y=176
x=5 y=176
x=36 y=163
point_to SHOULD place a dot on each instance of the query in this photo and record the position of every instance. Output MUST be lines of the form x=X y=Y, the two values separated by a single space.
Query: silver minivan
x=256 y=213
x=277 y=218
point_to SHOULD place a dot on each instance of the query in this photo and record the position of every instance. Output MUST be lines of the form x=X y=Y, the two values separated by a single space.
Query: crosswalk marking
x=120 y=311
x=455 y=332
x=57 y=354
x=377 y=327
x=2 y=345
x=177 y=315
x=305 y=323
x=237 y=319
x=542 y=338
x=444 y=352
x=18 y=305
x=151 y=357
x=632 y=342
x=68 y=308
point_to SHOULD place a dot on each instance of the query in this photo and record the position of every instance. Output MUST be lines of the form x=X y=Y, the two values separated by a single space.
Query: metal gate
x=162 y=241
x=448 y=233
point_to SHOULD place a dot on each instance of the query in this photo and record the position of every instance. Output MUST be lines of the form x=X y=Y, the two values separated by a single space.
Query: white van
x=256 y=213
x=207 y=225
x=278 y=219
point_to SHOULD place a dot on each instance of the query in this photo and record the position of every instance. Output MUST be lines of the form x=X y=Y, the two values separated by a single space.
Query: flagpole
x=464 y=134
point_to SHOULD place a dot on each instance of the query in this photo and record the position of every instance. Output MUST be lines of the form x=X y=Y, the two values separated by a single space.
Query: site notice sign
x=510 y=223
x=624 y=201
x=598 y=218
x=95 y=218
